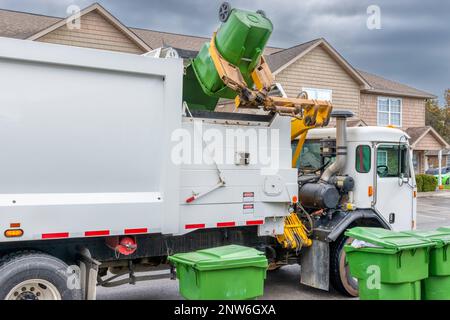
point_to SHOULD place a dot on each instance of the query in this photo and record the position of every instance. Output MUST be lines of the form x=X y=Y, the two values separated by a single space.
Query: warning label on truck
x=248 y=197
x=248 y=208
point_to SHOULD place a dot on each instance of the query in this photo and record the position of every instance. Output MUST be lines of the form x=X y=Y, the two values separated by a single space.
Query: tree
x=439 y=117
x=447 y=97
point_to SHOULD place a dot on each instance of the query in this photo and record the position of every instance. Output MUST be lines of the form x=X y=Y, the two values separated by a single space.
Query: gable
x=318 y=69
x=95 y=32
x=428 y=142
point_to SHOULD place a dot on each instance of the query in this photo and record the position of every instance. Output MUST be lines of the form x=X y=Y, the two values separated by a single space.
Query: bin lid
x=226 y=257
x=388 y=239
x=441 y=238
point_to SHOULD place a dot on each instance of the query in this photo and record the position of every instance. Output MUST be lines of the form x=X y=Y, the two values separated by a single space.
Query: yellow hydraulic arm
x=309 y=113
x=299 y=127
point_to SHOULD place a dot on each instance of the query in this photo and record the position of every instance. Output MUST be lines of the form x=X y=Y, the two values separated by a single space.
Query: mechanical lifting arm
x=232 y=66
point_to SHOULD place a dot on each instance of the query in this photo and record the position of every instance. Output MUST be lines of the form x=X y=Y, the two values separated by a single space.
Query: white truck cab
x=380 y=162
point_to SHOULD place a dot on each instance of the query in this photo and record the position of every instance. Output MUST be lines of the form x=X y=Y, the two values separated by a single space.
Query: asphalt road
x=284 y=283
x=433 y=212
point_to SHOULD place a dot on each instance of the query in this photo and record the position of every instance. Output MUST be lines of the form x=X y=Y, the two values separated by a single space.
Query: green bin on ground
x=222 y=273
x=437 y=285
x=388 y=265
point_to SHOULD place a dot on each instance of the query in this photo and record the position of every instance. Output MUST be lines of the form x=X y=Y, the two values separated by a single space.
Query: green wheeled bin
x=437 y=285
x=224 y=273
x=240 y=40
x=388 y=265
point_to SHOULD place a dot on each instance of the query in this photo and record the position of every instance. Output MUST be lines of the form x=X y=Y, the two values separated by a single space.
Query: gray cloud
x=413 y=45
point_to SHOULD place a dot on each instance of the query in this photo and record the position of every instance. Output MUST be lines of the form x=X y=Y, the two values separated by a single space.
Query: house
x=433 y=158
x=314 y=66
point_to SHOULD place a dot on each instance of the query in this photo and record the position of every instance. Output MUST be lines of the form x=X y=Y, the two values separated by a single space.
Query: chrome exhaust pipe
x=341 y=144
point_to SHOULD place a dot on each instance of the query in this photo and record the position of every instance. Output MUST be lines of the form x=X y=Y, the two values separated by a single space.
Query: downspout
x=341 y=144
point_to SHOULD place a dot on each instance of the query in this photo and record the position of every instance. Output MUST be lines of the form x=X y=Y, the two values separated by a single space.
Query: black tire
x=39 y=270
x=340 y=276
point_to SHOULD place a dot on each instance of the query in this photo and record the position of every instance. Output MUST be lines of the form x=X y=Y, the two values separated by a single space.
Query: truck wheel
x=31 y=275
x=340 y=276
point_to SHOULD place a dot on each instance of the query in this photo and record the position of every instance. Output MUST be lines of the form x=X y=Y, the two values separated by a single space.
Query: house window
x=318 y=94
x=382 y=158
x=389 y=111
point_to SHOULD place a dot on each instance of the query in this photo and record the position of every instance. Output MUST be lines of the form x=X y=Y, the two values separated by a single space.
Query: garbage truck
x=113 y=162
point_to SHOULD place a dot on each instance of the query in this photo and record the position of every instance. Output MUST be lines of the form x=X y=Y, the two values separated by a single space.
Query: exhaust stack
x=341 y=144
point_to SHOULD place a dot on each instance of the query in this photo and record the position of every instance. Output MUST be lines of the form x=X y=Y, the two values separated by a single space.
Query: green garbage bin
x=437 y=286
x=223 y=273
x=240 y=41
x=390 y=291
x=390 y=265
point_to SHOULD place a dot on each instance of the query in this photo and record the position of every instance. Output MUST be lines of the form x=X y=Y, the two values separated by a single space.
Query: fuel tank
x=318 y=196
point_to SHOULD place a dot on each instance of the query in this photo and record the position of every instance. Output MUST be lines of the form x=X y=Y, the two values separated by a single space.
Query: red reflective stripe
x=195 y=226
x=55 y=235
x=226 y=224
x=254 y=222
x=96 y=233
x=134 y=231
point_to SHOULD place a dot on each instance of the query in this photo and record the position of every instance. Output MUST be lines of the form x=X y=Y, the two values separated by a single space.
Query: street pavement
x=433 y=211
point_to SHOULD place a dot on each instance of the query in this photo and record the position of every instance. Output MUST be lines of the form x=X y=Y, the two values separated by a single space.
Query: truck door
x=394 y=187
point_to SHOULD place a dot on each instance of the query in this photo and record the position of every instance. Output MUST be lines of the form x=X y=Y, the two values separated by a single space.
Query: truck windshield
x=310 y=159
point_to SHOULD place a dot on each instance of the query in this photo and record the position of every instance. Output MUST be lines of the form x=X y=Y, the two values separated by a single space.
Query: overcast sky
x=412 y=46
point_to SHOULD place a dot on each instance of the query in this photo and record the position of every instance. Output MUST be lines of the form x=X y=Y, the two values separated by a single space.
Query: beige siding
x=428 y=142
x=95 y=32
x=413 y=110
x=317 y=69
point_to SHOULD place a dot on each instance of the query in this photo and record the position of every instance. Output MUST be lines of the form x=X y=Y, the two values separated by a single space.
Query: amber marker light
x=370 y=191
x=13 y=233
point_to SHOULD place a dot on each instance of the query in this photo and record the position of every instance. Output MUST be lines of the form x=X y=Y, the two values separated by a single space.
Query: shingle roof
x=278 y=59
x=157 y=39
x=382 y=85
x=21 y=25
x=415 y=133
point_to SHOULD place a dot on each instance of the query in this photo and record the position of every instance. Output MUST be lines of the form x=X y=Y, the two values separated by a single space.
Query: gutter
x=396 y=93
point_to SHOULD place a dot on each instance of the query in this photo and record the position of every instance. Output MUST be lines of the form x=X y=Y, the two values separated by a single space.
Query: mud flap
x=315 y=265
x=88 y=274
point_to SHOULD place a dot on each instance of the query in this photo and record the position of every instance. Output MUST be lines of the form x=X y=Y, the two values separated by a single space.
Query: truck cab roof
x=355 y=134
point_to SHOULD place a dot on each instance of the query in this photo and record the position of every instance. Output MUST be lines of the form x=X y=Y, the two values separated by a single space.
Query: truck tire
x=32 y=275
x=340 y=276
